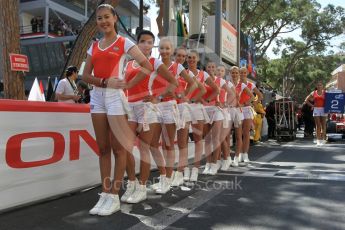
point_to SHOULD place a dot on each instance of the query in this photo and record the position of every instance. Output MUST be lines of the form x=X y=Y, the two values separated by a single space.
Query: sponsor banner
x=334 y=102
x=229 y=42
x=48 y=149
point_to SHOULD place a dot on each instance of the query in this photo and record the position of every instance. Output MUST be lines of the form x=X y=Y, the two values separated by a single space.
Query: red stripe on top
x=39 y=106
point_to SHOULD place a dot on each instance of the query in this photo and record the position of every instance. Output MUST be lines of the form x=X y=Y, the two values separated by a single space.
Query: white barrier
x=37 y=159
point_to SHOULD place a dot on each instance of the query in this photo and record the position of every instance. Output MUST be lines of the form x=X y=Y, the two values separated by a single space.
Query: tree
x=307 y=71
x=267 y=20
x=10 y=43
x=83 y=41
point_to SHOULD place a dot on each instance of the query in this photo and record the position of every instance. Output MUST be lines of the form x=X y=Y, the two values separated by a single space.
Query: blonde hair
x=196 y=53
x=233 y=68
x=166 y=39
x=244 y=68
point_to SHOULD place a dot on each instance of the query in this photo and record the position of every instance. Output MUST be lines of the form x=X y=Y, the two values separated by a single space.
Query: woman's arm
x=247 y=91
x=87 y=74
x=231 y=96
x=167 y=75
x=202 y=91
x=100 y=82
x=191 y=85
x=146 y=67
x=308 y=99
x=258 y=93
x=214 y=87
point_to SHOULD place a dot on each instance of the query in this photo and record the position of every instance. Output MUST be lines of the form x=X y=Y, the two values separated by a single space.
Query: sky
x=336 y=41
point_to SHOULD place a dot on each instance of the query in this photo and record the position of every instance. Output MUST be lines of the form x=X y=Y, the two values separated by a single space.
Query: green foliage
x=301 y=62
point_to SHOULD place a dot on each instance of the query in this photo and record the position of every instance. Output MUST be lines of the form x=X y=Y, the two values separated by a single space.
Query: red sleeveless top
x=319 y=100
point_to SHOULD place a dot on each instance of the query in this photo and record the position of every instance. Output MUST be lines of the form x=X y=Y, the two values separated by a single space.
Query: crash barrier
x=47 y=149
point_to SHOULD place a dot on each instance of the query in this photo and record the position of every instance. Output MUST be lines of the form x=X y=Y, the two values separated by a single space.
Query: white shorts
x=236 y=116
x=168 y=112
x=109 y=101
x=247 y=112
x=319 y=112
x=143 y=112
x=199 y=113
x=214 y=113
x=185 y=114
x=227 y=114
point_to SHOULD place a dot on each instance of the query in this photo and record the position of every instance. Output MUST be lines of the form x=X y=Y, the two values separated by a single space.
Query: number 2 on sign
x=335 y=104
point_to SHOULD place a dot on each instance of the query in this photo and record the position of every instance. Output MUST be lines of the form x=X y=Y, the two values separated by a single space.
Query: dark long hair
x=112 y=10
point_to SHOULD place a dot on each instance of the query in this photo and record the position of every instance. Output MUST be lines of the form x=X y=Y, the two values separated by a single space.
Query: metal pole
x=166 y=16
x=238 y=31
x=141 y=15
x=85 y=4
x=218 y=23
x=46 y=27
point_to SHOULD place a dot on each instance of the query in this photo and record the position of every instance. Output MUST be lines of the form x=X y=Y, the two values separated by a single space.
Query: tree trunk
x=10 y=43
x=84 y=39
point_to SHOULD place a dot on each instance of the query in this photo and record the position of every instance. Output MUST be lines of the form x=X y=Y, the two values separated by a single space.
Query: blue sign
x=335 y=102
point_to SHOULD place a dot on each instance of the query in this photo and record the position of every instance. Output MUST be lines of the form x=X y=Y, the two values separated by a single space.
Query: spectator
x=67 y=91
x=34 y=24
x=270 y=113
x=84 y=91
x=40 y=23
x=307 y=116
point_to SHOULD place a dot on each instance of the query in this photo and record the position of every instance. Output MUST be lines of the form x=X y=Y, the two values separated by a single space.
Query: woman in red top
x=183 y=92
x=218 y=121
x=245 y=101
x=144 y=121
x=108 y=104
x=168 y=106
x=199 y=114
x=224 y=99
x=318 y=96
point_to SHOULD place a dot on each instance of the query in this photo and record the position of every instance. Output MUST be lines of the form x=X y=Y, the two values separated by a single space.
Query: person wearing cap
x=66 y=90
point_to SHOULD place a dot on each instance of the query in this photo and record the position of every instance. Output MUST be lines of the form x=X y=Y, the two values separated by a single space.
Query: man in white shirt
x=67 y=91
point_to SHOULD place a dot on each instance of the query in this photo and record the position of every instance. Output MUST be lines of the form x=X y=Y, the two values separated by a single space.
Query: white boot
x=235 y=162
x=139 y=194
x=213 y=169
x=194 y=175
x=99 y=204
x=207 y=169
x=245 y=158
x=164 y=185
x=110 y=206
x=130 y=189
x=186 y=174
x=178 y=179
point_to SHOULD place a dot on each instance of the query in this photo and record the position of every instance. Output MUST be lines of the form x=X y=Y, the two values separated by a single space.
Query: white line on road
x=171 y=214
x=268 y=156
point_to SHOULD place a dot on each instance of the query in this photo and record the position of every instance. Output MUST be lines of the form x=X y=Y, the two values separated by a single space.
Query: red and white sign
x=229 y=42
x=19 y=62
x=47 y=149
